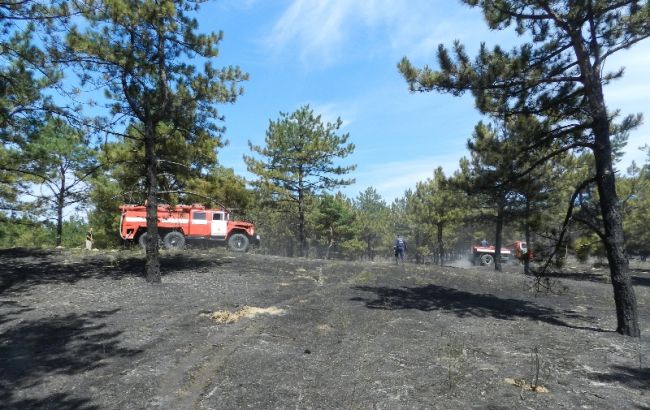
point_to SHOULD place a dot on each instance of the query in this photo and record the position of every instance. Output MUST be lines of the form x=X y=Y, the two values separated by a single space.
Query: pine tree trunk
x=624 y=296
x=152 y=265
x=497 y=240
x=60 y=203
x=527 y=238
x=301 y=224
x=330 y=242
x=441 y=249
x=289 y=248
x=301 y=214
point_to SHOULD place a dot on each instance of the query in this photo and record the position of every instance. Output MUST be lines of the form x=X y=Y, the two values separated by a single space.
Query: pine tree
x=26 y=72
x=334 y=221
x=140 y=52
x=436 y=205
x=557 y=76
x=58 y=163
x=370 y=222
x=299 y=160
x=491 y=177
x=636 y=207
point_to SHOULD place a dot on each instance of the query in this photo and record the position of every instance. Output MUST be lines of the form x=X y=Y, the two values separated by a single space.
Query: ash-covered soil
x=85 y=331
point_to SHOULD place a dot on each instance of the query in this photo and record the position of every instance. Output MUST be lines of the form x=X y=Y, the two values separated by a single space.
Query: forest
x=542 y=166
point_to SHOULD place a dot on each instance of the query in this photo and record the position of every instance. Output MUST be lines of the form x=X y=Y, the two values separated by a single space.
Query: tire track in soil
x=190 y=394
x=332 y=305
x=186 y=394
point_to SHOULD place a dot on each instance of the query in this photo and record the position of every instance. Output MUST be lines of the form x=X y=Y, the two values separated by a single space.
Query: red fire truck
x=484 y=255
x=184 y=223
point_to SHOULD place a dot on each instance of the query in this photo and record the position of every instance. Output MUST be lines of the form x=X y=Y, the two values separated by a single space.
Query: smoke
x=463 y=263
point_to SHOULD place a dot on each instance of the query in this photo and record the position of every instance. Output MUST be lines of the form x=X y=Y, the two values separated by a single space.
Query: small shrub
x=583 y=249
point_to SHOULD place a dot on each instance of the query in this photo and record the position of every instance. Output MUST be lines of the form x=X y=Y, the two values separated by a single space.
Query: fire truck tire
x=142 y=241
x=174 y=240
x=238 y=242
x=486 y=259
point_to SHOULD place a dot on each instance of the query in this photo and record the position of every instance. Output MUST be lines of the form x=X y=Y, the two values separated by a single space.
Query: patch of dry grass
x=524 y=385
x=227 y=317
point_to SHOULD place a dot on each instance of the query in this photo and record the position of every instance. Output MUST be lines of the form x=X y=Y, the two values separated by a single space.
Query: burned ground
x=85 y=331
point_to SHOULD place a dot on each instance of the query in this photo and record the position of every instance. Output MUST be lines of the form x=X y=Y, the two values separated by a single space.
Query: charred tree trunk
x=624 y=296
x=369 y=249
x=152 y=265
x=441 y=248
x=60 y=204
x=527 y=237
x=497 y=239
x=289 y=249
x=331 y=242
x=612 y=237
x=301 y=216
x=419 y=258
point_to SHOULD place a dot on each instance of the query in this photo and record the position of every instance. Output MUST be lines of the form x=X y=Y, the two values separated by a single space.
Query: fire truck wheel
x=238 y=242
x=142 y=241
x=174 y=240
x=486 y=259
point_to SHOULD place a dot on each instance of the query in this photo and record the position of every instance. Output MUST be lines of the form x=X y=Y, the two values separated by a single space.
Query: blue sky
x=340 y=57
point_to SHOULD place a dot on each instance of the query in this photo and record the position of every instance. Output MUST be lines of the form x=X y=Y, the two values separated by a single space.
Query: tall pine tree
x=299 y=160
x=142 y=53
x=558 y=76
x=436 y=206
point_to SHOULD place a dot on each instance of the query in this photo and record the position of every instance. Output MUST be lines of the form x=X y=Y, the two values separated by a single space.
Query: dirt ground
x=225 y=331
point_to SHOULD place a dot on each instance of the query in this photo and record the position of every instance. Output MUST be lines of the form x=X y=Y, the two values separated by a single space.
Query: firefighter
x=400 y=248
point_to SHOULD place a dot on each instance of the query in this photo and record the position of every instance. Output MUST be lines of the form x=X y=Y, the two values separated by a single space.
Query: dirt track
x=87 y=332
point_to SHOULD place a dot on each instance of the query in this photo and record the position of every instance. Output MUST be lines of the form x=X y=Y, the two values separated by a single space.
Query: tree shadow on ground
x=24 y=268
x=639 y=277
x=10 y=309
x=632 y=377
x=582 y=276
x=54 y=401
x=36 y=352
x=465 y=304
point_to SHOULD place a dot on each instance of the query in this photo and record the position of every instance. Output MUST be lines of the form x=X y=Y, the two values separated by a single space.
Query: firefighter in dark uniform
x=400 y=248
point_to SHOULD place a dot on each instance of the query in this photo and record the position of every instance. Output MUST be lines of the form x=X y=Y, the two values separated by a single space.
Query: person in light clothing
x=89 y=239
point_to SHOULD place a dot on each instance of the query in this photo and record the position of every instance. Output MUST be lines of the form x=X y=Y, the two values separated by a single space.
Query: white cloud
x=398 y=176
x=315 y=25
x=319 y=31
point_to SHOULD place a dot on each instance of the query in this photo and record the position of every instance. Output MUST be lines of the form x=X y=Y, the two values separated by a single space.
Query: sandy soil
x=85 y=331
